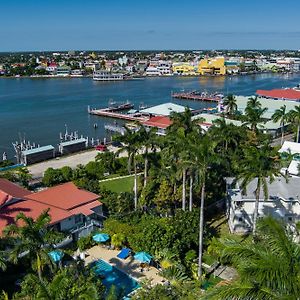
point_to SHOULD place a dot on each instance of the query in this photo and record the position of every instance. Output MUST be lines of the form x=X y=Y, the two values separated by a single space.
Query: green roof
x=37 y=150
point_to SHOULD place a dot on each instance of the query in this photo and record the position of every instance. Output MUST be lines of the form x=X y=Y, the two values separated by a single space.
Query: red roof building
x=159 y=122
x=70 y=207
x=284 y=94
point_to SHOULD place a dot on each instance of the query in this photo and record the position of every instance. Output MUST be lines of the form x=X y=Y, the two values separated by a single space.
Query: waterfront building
x=34 y=155
x=232 y=67
x=76 y=73
x=183 y=68
x=280 y=94
x=161 y=123
x=72 y=210
x=212 y=66
x=165 y=109
x=152 y=71
x=103 y=75
x=282 y=203
x=51 y=67
x=63 y=71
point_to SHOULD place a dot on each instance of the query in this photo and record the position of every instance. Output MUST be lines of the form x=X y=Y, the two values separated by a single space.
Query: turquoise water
x=113 y=276
x=40 y=108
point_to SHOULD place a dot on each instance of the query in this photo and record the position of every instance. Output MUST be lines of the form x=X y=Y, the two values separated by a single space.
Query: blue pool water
x=113 y=276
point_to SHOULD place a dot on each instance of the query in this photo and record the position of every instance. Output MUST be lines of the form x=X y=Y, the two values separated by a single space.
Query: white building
x=291 y=149
x=283 y=202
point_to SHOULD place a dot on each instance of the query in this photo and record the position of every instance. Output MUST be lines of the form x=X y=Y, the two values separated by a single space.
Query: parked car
x=101 y=148
x=116 y=144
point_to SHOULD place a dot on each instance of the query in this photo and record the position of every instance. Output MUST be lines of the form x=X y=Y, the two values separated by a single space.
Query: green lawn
x=119 y=185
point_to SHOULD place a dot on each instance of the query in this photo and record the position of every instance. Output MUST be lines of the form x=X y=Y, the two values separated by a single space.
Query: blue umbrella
x=101 y=237
x=143 y=257
x=56 y=255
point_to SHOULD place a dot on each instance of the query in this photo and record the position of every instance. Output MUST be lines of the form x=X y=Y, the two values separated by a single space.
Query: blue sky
x=187 y=24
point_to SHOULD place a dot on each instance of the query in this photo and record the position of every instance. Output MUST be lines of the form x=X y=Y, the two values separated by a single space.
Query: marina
x=28 y=110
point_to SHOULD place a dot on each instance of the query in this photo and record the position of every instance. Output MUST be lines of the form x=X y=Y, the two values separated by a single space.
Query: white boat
x=103 y=75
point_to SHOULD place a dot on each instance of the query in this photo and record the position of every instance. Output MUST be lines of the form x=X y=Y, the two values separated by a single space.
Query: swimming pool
x=113 y=276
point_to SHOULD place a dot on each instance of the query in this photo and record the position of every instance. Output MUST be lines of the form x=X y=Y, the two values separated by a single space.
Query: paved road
x=37 y=170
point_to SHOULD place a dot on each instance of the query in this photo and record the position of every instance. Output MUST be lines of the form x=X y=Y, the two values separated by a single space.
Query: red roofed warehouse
x=283 y=94
x=72 y=210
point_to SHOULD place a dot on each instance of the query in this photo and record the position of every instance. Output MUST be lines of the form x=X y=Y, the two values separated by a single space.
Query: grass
x=119 y=185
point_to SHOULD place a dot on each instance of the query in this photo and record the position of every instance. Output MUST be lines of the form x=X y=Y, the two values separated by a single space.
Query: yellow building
x=184 y=69
x=214 y=66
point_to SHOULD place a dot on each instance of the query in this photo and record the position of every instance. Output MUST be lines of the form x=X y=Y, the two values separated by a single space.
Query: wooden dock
x=197 y=96
x=109 y=114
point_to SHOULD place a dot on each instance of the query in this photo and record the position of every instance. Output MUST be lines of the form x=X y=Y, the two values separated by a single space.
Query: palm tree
x=280 y=115
x=269 y=267
x=294 y=116
x=3 y=265
x=254 y=114
x=182 y=126
x=32 y=236
x=230 y=104
x=262 y=164
x=131 y=145
x=148 y=139
x=203 y=155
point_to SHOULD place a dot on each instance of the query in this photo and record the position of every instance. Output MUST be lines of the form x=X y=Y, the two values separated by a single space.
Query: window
x=77 y=218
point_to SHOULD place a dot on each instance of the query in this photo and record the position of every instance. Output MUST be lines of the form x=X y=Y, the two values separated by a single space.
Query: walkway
x=128 y=266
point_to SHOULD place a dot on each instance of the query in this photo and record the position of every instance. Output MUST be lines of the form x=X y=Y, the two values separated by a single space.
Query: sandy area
x=129 y=265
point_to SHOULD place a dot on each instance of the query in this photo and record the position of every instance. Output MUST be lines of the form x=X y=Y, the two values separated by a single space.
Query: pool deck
x=128 y=266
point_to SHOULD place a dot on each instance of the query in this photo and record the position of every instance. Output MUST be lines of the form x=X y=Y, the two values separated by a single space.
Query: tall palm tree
x=203 y=155
x=295 y=118
x=260 y=164
x=230 y=104
x=182 y=126
x=131 y=145
x=269 y=267
x=32 y=236
x=280 y=115
x=148 y=139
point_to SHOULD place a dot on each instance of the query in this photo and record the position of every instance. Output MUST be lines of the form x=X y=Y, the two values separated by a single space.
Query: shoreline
x=158 y=76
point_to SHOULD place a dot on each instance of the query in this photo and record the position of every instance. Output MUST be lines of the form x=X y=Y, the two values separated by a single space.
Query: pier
x=115 y=115
x=198 y=96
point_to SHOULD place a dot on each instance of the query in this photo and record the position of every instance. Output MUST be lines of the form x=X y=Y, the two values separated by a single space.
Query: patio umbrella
x=143 y=257
x=56 y=255
x=101 y=237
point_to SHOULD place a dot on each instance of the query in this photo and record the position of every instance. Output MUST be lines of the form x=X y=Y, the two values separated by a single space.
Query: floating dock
x=198 y=96
x=110 y=114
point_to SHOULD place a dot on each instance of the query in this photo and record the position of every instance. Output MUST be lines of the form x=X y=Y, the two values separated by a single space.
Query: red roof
x=64 y=201
x=159 y=122
x=31 y=209
x=65 y=196
x=12 y=189
x=287 y=94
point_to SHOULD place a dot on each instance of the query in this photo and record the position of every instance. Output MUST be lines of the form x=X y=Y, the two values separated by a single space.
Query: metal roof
x=271 y=104
x=37 y=150
x=164 y=109
x=73 y=142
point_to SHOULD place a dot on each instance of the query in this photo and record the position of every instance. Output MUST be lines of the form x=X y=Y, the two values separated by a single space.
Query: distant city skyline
x=129 y=25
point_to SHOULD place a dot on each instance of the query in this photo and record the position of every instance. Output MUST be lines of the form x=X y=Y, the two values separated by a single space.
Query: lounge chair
x=125 y=252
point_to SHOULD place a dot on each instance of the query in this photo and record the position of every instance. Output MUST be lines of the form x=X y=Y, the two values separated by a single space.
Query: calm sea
x=39 y=109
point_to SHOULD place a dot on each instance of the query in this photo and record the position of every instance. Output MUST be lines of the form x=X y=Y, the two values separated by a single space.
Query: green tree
x=280 y=115
x=230 y=104
x=32 y=236
x=52 y=177
x=72 y=283
x=268 y=267
x=67 y=173
x=164 y=196
x=132 y=142
x=295 y=118
x=148 y=142
x=262 y=164
x=203 y=156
